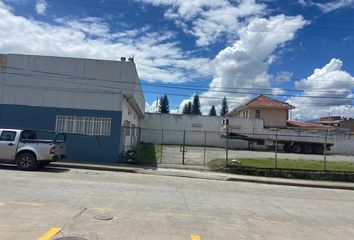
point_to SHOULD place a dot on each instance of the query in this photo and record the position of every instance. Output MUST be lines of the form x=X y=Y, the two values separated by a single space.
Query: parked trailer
x=296 y=140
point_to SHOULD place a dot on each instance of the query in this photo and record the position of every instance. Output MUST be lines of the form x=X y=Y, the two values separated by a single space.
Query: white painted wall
x=343 y=146
x=200 y=130
x=173 y=126
x=99 y=85
x=129 y=114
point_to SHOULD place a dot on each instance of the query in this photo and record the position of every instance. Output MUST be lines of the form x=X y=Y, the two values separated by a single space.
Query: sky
x=297 y=51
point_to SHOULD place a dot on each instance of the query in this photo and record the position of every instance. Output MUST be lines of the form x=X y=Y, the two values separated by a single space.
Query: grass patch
x=286 y=164
x=149 y=154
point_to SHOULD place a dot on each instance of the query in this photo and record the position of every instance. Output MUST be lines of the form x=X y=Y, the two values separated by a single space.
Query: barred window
x=83 y=125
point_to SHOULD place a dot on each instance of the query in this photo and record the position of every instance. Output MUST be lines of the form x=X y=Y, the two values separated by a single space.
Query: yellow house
x=273 y=112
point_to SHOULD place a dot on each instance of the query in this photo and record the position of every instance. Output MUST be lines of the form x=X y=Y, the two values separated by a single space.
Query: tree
x=164 y=105
x=224 y=107
x=212 y=111
x=187 y=108
x=196 y=106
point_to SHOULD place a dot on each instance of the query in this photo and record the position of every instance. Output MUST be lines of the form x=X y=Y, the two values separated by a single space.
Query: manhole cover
x=104 y=217
x=70 y=238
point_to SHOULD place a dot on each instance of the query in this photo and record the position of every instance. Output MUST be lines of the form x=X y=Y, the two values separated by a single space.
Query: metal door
x=7 y=145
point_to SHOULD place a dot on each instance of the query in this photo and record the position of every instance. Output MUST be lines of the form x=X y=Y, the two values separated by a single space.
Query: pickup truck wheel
x=318 y=149
x=307 y=148
x=26 y=161
x=297 y=148
x=287 y=148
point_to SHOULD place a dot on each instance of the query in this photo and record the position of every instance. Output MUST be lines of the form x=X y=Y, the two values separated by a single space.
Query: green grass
x=286 y=164
x=149 y=154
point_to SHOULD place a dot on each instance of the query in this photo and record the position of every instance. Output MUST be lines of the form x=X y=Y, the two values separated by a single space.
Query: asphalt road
x=162 y=207
x=195 y=155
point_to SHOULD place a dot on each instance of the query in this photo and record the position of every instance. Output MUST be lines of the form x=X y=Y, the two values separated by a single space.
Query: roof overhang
x=131 y=101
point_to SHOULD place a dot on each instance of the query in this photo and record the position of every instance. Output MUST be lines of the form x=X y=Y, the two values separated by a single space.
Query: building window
x=96 y=126
x=258 y=113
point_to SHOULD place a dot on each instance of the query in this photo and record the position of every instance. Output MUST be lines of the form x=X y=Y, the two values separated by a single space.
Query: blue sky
x=215 y=48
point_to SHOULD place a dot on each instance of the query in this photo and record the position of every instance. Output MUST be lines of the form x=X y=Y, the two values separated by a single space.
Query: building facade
x=338 y=121
x=88 y=99
x=273 y=112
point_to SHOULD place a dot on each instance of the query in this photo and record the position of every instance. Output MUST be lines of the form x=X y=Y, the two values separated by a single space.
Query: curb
x=90 y=167
x=294 y=184
x=184 y=175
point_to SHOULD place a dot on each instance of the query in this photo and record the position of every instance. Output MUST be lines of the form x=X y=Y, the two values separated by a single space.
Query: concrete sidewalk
x=200 y=172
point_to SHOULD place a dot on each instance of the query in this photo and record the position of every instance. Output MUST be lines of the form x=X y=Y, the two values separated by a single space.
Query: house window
x=258 y=113
x=96 y=126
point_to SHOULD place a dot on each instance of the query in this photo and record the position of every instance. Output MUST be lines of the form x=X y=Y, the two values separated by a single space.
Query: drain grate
x=70 y=238
x=104 y=217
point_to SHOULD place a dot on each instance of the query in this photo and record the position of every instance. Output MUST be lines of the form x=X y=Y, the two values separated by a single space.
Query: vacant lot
x=155 y=154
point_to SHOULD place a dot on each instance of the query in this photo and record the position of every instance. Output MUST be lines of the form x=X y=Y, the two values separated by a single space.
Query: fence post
x=184 y=143
x=161 y=145
x=276 y=149
x=204 y=145
x=325 y=153
x=227 y=145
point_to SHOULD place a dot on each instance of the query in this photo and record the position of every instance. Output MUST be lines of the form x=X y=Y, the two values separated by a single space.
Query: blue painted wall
x=79 y=148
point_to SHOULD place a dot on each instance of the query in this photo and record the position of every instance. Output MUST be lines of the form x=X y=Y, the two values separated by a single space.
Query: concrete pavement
x=164 y=207
x=190 y=171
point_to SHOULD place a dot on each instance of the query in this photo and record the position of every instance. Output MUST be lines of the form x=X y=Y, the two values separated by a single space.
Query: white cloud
x=330 y=81
x=209 y=20
x=41 y=7
x=153 y=107
x=303 y=3
x=328 y=6
x=334 y=5
x=283 y=76
x=243 y=67
x=157 y=55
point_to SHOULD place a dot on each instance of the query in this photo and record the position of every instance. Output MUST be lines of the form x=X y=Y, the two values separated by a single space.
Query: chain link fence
x=321 y=150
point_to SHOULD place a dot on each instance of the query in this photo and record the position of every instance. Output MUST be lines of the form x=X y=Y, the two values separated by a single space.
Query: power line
x=194 y=89
x=179 y=86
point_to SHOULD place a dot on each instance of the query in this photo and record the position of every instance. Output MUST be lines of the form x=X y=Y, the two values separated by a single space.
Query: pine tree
x=187 y=108
x=196 y=106
x=164 y=105
x=224 y=107
x=212 y=111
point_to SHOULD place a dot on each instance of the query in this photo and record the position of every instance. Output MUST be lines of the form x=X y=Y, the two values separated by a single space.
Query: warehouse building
x=88 y=99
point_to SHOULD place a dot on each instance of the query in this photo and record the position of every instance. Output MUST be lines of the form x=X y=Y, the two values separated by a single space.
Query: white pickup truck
x=22 y=147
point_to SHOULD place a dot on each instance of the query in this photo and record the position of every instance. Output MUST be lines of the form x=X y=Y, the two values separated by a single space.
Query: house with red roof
x=273 y=112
